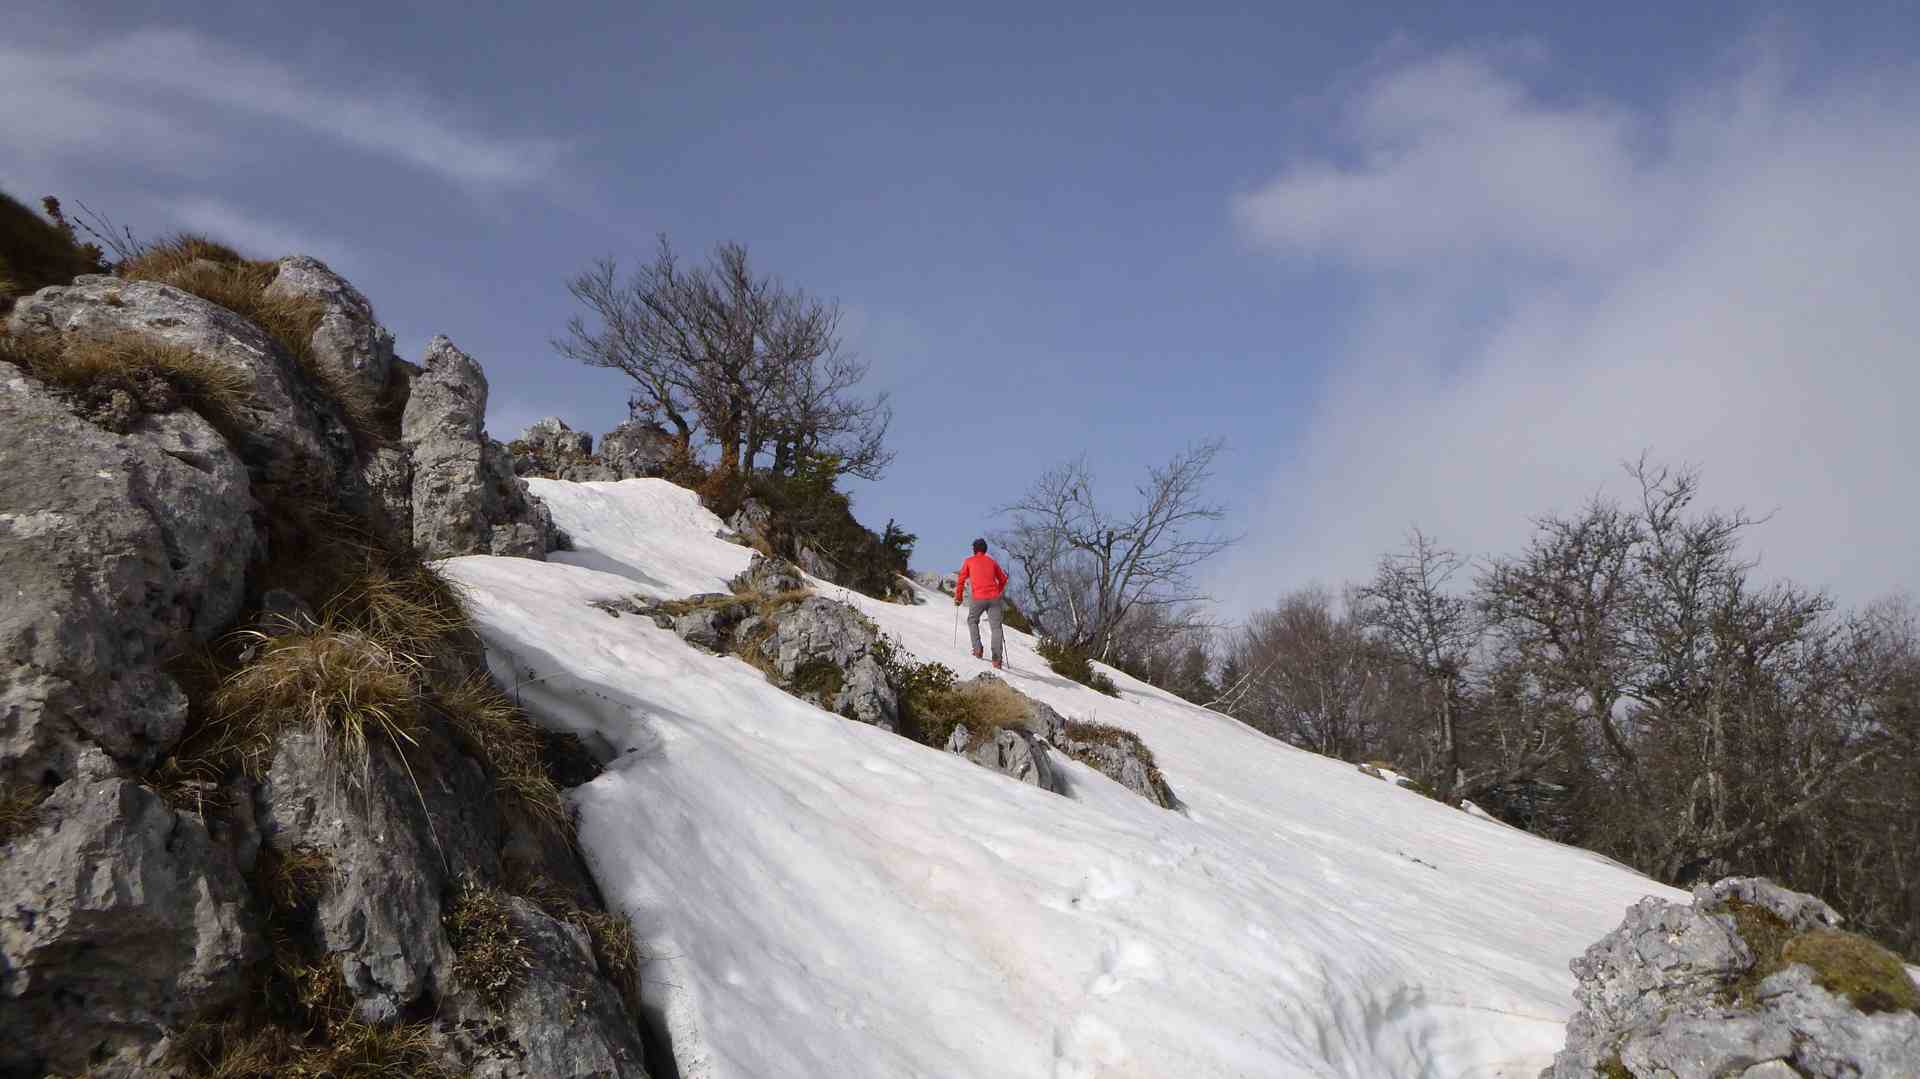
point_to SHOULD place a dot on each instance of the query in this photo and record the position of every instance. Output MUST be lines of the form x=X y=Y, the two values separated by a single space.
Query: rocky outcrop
x=824 y=649
x=1750 y=980
x=119 y=550
x=768 y=577
x=348 y=339
x=637 y=449
x=1018 y=753
x=137 y=892
x=466 y=499
x=123 y=920
x=1117 y=754
x=552 y=450
x=291 y=435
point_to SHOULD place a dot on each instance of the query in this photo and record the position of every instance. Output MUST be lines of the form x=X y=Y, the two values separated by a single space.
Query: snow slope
x=821 y=898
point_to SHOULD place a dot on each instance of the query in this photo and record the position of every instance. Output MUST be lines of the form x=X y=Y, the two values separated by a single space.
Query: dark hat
x=980 y=545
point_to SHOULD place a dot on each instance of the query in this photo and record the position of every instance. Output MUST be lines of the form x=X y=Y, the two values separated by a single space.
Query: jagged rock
x=815 y=564
x=1114 y=753
x=293 y=436
x=466 y=499
x=819 y=633
x=753 y=520
x=120 y=919
x=710 y=627
x=1018 y=753
x=551 y=450
x=118 y=550
x=567 y=1020
x=348 y=339
x=1657 y=998
x=767 y=576
x=637 y=449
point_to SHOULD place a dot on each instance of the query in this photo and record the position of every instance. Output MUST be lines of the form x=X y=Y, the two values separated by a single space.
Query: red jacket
x=989 y=580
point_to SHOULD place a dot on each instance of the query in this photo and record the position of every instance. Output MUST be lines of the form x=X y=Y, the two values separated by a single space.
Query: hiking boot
x=976 y=653
x=997 y=664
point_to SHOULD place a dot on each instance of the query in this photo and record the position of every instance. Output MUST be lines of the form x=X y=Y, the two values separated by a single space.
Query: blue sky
x=1433 y=264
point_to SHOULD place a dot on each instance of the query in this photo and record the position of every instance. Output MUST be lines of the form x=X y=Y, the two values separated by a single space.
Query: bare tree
x=1432 y=630
x=1316 y=680
x=720 y=352
x=1086 y=569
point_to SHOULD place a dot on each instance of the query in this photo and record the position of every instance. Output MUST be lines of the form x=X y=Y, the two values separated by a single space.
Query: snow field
x=822 y=898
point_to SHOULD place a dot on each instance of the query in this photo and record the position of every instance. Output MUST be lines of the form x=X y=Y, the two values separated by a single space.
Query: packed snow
x=821 y=898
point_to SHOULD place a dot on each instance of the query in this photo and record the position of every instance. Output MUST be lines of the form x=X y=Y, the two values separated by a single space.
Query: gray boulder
x=1017 y=753
x=120 y=920
x=711 y=626
x=118 y=549
x=466 y=499
x=567 y=1020
x=753 y=521
x=1659 y=997
x=292 y=436
x=637 y=449
x=551 y=450
x=1119 y=755
x=767 y=576
x=349 y=339
x=819 y=634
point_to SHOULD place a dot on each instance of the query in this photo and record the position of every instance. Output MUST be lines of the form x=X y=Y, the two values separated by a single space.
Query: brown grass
x=354 y=1050
x=19 y=809
x=293 y=880
x=502 y=735
x=488 y=953
x=345 y=686
x=150 y=377
x=218 y=274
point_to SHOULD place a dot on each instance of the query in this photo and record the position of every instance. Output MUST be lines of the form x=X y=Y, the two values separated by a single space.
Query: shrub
x=488 y=952
x=808 y=510
x=218 y=274
x=115 y=381
x=1071 y=663
x=35 y=252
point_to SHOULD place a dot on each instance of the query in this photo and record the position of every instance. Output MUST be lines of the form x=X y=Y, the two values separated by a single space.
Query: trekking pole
x=956 y=625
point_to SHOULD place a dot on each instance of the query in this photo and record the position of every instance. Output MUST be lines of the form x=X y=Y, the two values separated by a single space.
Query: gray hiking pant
x=994 y=609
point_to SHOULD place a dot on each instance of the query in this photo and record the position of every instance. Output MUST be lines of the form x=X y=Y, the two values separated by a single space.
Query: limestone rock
x=710 y=627
x=567 y=1020
x=1115 y=754
x=293 y=437
x=768 y=576
x=1017 y=753
x=120 y=919
x=551 y=450
x=1657 y=998
x=349 y=339
x=820 y=633
x=466 y=499
x=118 y=550
x=637 y=449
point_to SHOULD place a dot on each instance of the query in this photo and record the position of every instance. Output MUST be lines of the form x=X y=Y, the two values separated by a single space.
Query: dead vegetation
x=489 y=954
x=19 y=809
x=116 y=381
x=219 y=274
x=35 y=252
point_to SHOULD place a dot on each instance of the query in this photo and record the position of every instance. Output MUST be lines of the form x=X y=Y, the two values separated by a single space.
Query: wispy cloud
x=162 y=95
x=1724 y=279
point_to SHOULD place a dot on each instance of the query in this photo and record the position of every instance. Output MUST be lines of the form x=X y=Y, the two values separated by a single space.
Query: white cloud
x=1726 y=280
x=161 y=96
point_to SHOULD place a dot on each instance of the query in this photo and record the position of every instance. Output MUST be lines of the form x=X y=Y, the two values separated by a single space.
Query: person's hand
x=956 y=601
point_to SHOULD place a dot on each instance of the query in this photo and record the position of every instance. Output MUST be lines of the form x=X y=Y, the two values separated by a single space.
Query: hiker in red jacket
x=989 y=584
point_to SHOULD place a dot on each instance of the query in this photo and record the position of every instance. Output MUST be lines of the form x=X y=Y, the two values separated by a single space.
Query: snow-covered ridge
x=823 y=898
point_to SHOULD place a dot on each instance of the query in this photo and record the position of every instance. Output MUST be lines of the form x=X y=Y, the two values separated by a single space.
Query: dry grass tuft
x=613 y=945
x=19 y=809
x=218 y=274
x=293 y=880
x=345 y=686
x=118 y=380
x=355 y=1050
x=488 y=953
x=502 y=735
x=400 y=599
